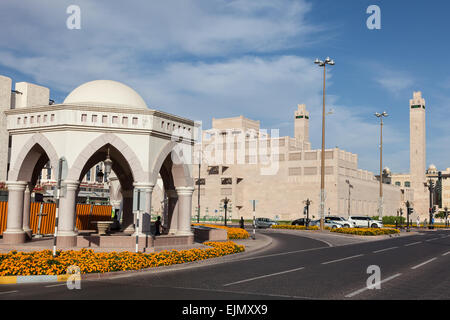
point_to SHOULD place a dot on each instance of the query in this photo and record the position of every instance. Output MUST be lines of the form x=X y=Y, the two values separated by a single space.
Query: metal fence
x=86 y=213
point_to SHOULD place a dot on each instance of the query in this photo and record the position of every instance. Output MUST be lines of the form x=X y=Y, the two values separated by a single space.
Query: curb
x=34 y=279
x=94 y=276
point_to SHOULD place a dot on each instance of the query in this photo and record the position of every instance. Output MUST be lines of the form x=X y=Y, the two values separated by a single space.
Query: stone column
x=172 y=207
x=184 y=210
x=127 y=211
x=26 y=212
x=66 y=236
x=14 y=233
x=165 y=217
x=145 y=215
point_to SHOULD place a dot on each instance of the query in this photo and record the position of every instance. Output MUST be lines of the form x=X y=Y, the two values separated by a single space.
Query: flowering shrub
x=43 y=263
x=366 y=231
x=291 y=227
x=233 y=233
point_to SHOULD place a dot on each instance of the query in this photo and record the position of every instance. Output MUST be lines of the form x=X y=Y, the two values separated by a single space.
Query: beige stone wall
x=5 y=103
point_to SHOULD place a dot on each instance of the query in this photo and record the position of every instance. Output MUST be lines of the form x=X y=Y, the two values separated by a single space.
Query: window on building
x=213 y=170
x=105 y=119
x=115 y=119
x=83 y=117
x=125 y=121
x=94 y=118
x=52 y=117
x=88 y=175
x=135 y=121
x=398 y=183
x=200 y=181
x=407 y=184
x=226 y=181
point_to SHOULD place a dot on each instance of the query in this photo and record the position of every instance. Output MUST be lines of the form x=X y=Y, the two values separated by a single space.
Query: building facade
x=241 y=162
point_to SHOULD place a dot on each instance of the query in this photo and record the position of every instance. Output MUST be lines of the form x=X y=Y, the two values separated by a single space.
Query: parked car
x=300 y=222
x=365 y=222
x=264 y=222
x=345 y=223
x=327 y=223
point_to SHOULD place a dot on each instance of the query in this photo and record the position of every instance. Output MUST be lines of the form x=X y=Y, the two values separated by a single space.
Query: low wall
x=202 y=234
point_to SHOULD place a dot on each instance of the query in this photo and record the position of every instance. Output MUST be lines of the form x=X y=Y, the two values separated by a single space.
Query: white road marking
x=282 y=253
x=385 y=249
x=6 y=292
x=359 y=255
x=364 y=289
x=432 y=239
x=423 y=263
x=411 y=244
x=444 y=254
x=261 y=277
x=56 y=285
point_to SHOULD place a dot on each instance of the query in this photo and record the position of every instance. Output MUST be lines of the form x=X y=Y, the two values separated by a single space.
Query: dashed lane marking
x=385 y=249
x=264 y=276
x=411 y=244
x=332 y=261
x=423 y=263
x=366 y=288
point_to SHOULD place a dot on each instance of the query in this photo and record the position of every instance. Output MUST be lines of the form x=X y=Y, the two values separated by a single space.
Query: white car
x=345 y=223
x=327 y=223
x=365 y=222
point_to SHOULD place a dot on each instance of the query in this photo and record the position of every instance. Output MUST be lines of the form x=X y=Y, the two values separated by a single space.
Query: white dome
x=105 y=92
x=432 y=167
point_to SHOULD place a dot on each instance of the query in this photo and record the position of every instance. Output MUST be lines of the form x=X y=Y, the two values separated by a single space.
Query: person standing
x=418 y=222
x=158 y=226
x=241 y=223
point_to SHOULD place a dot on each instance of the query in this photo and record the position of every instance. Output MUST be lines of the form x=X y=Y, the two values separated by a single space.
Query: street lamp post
x=430 y=186
x=323 y=64
x=225 y=206
x=380 y=205
x=350 y=186
x=198 y=181
x=308 y=203
x=446 y=216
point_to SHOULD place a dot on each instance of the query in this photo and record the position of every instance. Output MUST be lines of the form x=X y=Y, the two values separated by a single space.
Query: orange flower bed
x=233 y=233
x=43 y=263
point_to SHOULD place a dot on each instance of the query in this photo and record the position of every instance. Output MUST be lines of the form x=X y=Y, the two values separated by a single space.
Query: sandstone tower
x=417 y=140
x=301 y=127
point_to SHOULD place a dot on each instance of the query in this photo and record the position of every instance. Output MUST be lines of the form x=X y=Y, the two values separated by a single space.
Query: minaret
x=301 y=126
x=417 y=142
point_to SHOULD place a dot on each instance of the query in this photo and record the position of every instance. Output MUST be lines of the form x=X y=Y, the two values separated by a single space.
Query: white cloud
x=199 y=59
x=394 y=81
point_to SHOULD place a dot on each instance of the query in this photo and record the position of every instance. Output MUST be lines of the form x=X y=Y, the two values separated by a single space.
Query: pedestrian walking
x=418 y=222
x=241 y=223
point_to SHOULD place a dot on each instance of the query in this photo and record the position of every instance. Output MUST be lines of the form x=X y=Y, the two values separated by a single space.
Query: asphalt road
x=293 y=267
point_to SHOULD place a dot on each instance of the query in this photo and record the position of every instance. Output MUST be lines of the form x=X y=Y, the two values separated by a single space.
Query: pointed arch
x=26 y=160
x=108 y=138
x=181 y=170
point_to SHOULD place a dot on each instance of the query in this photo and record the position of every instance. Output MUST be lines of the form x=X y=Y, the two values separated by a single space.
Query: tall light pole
x=198 y=181
x=380 y=204
x=323 y=64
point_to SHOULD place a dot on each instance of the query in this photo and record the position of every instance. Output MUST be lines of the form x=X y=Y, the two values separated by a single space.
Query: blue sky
x=215 y=58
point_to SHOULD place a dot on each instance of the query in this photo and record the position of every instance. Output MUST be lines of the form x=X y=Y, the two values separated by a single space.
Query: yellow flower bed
x=366 y=231
x=291 y=227
x=414 y=225
x=233 y=233
x=43 y=263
